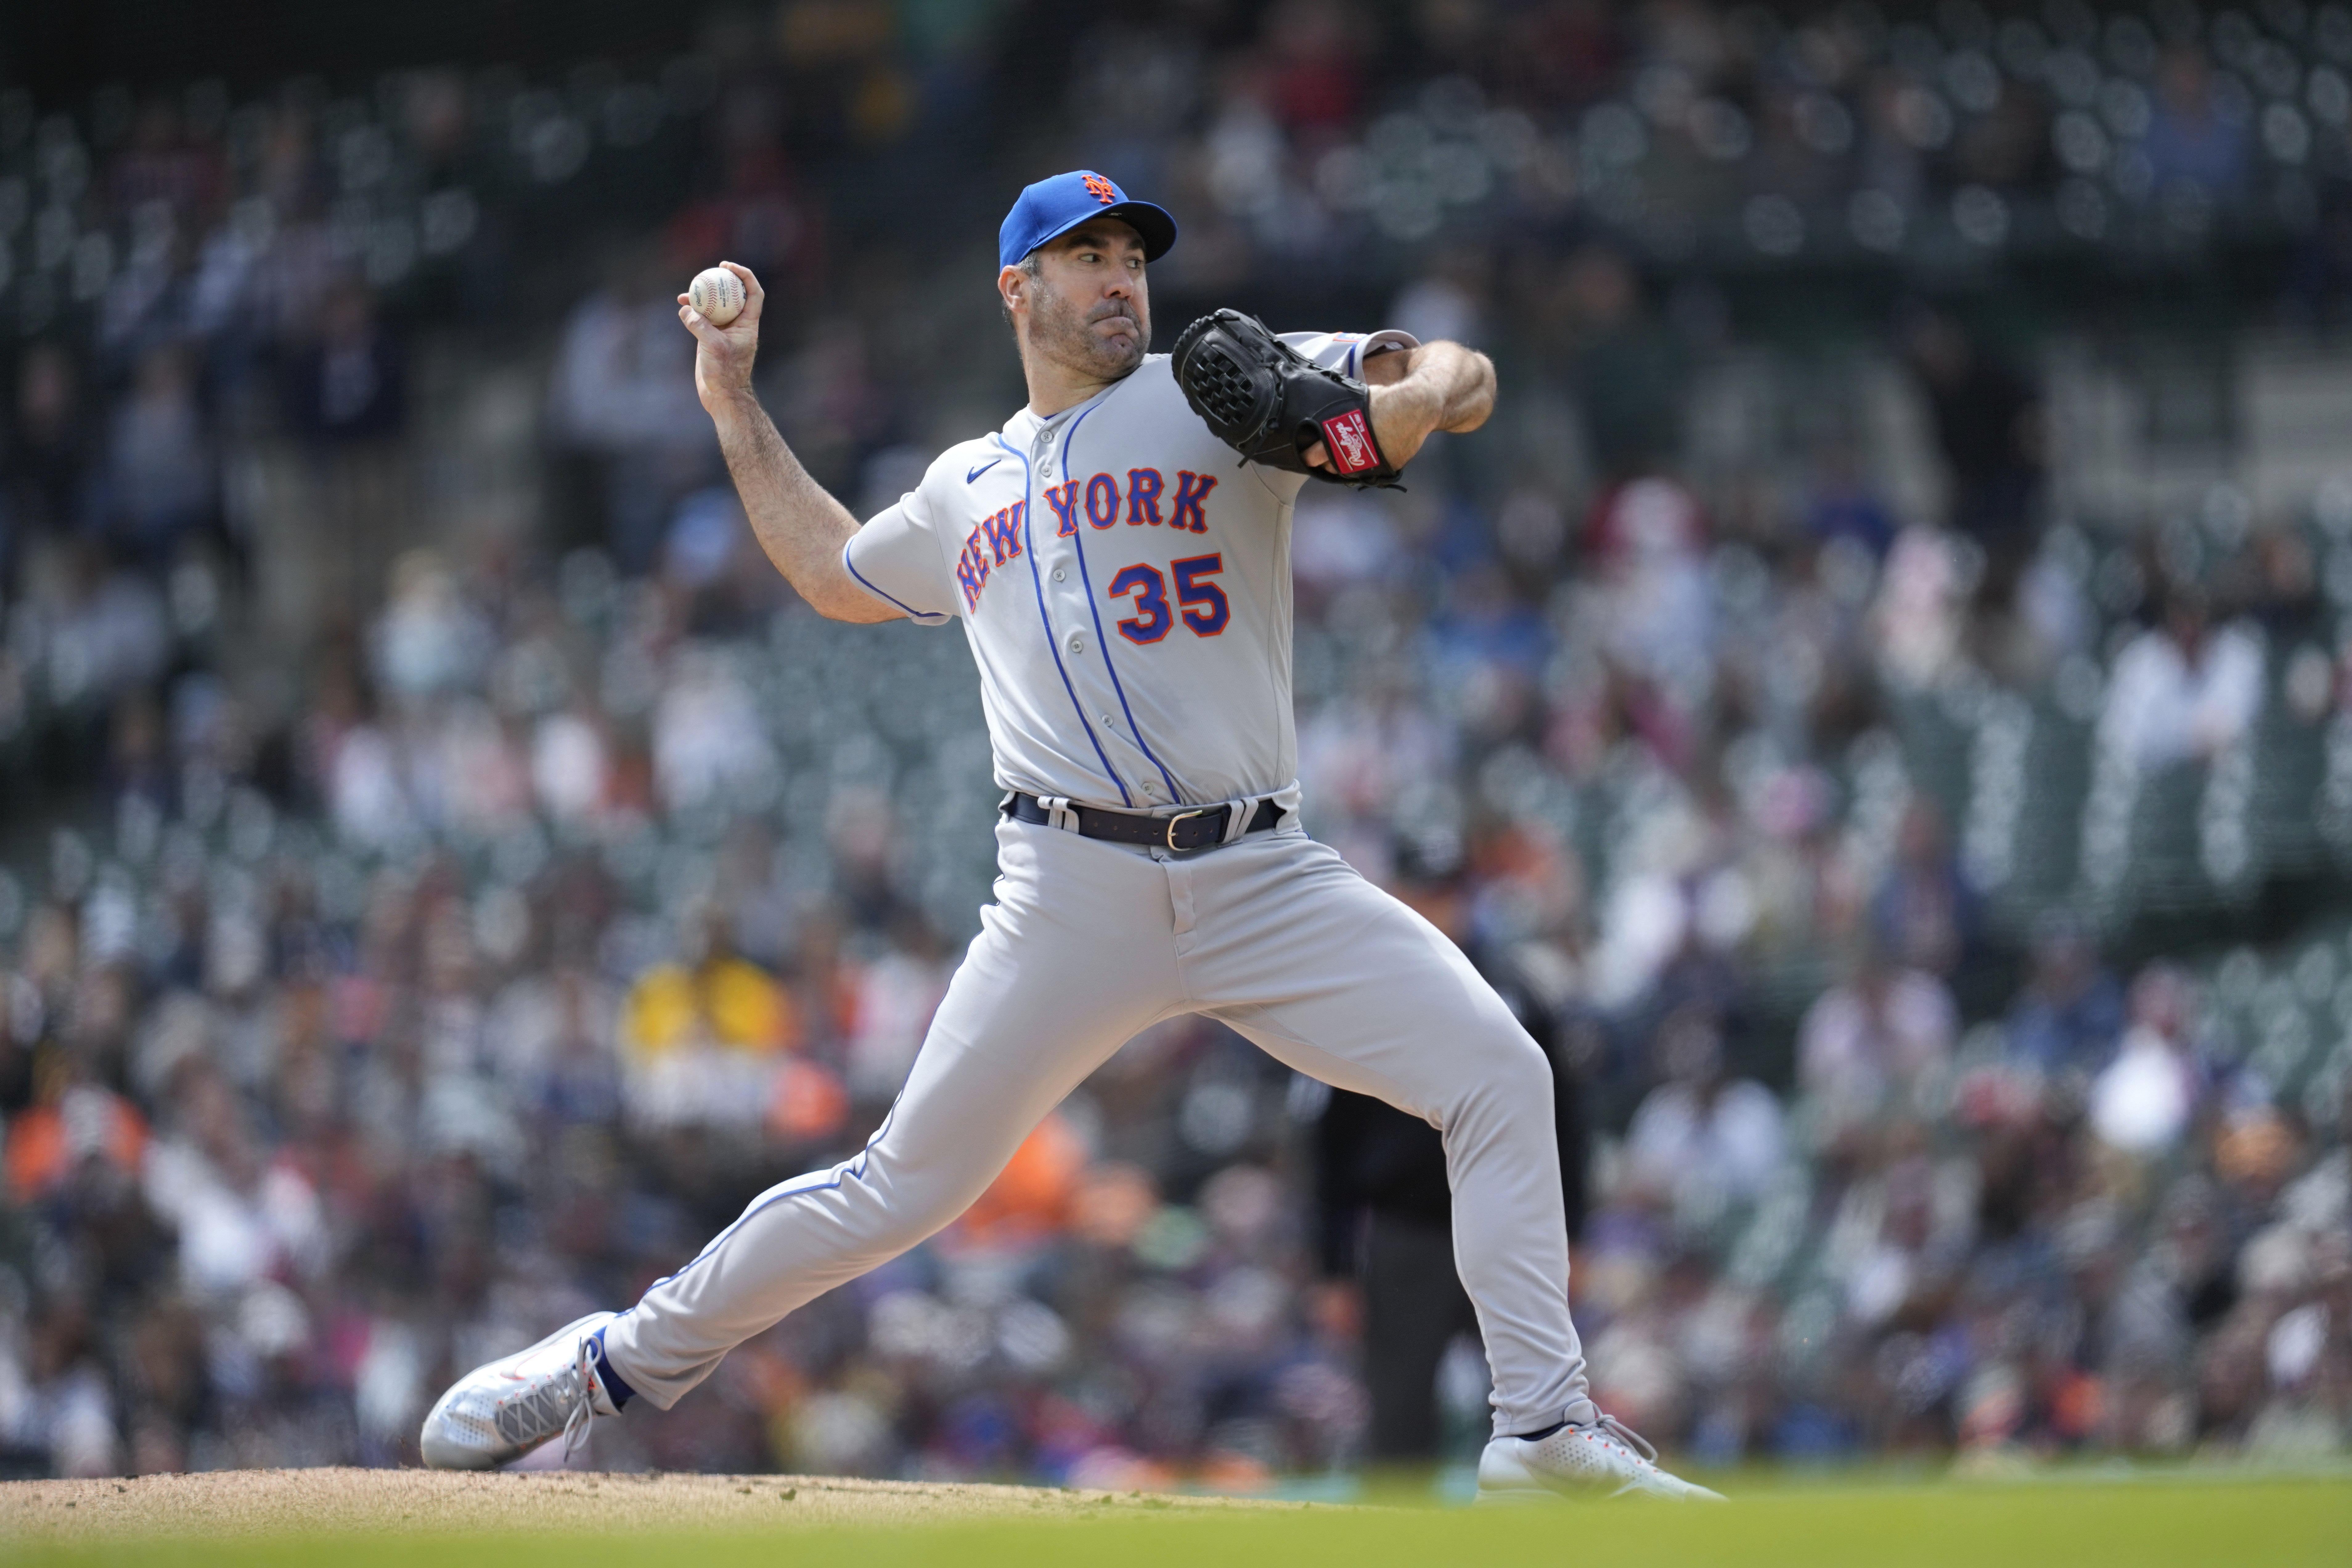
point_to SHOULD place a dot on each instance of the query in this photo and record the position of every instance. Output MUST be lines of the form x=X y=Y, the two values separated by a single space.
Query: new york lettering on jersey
x=1123 y=582
x=1097 y=500
x=1138 y=498
x=995 y=540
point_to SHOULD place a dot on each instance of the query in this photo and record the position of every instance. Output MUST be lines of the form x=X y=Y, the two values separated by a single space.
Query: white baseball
x=718 y=294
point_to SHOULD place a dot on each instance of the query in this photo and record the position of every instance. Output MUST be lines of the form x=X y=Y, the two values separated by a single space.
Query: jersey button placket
x=1072 y=608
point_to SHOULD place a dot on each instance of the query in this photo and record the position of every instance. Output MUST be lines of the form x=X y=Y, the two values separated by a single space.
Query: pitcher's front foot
x=1603 y=1458
x=502 y=1410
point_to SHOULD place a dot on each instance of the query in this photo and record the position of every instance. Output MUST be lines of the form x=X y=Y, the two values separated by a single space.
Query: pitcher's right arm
x=797 y=522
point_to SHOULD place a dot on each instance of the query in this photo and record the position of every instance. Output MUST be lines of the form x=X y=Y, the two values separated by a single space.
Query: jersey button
x=1106 y=721
x=1060 y=574
x=1078 y=642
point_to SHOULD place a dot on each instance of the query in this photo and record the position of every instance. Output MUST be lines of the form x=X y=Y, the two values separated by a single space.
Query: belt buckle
x=1179 y=816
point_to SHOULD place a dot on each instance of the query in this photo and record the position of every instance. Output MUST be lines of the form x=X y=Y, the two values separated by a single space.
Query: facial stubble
x=1057 y=330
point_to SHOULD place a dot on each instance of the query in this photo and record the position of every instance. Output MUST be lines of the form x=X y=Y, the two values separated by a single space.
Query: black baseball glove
x=1270 y=403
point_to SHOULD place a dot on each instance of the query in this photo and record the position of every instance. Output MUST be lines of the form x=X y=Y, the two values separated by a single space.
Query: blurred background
x=1876 y=694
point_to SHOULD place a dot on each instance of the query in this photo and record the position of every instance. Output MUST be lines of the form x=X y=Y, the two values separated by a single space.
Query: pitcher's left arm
x=1419 y=391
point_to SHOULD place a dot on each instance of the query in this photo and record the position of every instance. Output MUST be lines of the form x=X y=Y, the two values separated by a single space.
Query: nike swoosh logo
x=982 y=470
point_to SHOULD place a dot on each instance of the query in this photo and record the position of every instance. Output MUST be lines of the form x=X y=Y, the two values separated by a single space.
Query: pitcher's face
x=1088 y=309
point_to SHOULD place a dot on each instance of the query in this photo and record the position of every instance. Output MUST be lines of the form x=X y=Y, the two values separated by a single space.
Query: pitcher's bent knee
x=1506 y=1077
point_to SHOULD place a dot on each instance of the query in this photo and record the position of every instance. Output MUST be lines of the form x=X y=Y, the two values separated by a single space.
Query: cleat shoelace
x=583 y=1407
x=1631 y=1438
x=566 y=1402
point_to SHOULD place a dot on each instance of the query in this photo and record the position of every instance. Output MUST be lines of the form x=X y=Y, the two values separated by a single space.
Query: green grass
x=2147 y=1521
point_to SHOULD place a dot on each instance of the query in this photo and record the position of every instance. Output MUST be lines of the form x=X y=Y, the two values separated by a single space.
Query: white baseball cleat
x=1604 y=1458
x=498 y=1412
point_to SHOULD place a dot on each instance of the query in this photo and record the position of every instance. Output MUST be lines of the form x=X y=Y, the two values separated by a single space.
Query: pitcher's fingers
x=753 y=295
x=1317 y=457
x=695 y=322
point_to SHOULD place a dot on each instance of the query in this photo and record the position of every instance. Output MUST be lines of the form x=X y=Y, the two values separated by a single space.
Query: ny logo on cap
x=1102 y=190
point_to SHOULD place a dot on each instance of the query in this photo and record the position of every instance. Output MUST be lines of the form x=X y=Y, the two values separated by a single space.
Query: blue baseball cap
x=1051 y=208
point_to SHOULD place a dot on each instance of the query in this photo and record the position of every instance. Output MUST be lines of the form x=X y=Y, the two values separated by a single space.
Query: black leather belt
x=1201 y=827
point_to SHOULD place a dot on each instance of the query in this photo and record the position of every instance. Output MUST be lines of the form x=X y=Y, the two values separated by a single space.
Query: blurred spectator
x=1987 y=423
x=1647 y=540
x=760 y=220
x=2183 y=691
x=2319 y=282
x=1317 y=79
x=1873 y=1037
x=2141 y=1102
x=2070 y=1015
x=429 y=642
x=108 y=630
x=2197 y=138
x=702 y=1043
x=48 y=454
x=52 y=1143
x=622 y=396
x=1925 y=915
x=1702 y=1139
x=350 y=384
x=1628 y=369
x=1920 y=617
x=1841 y=503
x=160 y=479
x=244 y=1224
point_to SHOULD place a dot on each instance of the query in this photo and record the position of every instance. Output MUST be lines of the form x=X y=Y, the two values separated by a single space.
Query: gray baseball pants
x=1087 y=944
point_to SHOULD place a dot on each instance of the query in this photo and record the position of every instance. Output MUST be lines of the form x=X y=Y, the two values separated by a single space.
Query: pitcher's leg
x=1335 y=978
x=1049 y=989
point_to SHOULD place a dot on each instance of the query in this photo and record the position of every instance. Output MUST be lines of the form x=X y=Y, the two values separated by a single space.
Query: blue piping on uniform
x=918 y=615
x=1029 y=545
x=855 y=1168
x=1078 y=540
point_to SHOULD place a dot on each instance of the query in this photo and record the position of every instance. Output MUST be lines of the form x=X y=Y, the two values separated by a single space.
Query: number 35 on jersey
x=1202 y=604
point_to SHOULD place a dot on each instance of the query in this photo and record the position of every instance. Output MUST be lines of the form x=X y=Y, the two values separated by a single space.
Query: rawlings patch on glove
x=1270 y=403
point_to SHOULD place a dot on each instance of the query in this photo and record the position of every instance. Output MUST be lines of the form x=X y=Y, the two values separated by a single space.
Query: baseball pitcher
x=1123 y=577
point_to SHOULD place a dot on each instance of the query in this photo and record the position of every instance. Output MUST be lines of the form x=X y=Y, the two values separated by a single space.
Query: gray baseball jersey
x=1124 y=583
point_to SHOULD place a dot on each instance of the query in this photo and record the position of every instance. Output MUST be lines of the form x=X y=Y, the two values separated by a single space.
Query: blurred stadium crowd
x=446 y=873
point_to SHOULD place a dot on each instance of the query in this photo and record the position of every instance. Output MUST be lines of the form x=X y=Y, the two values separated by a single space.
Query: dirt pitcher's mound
x=384 y=1501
